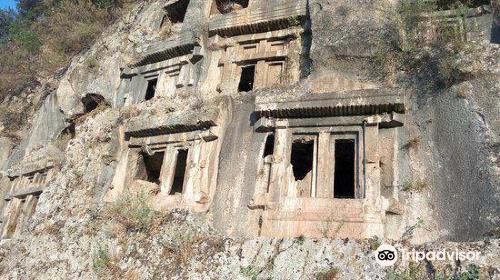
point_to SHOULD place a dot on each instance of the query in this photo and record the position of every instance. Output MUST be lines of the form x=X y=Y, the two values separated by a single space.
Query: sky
x=8 y=3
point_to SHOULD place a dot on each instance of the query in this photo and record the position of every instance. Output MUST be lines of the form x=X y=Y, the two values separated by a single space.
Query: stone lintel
x=32 y=190
x=30 y=168
x=384 y=121
x=274 y=55
x=392 y=120
x=172 y=47
x=257 y=20
x=170 y=124
x=359 y=102
x=207 y=135
x=218 y=42
x=127 y=73
x=170 y=2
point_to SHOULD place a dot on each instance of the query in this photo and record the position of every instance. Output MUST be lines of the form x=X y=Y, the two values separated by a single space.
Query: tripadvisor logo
x=387 y=255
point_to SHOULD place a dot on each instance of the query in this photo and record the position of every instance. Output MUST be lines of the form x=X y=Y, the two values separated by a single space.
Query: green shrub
x=472 y=273
x=411 y=229
x=78 y=173
x=293 y=21
x=101 y=258
x=250 y=271
x=133 y=212
x=375 y=243
x=417 y=272
x=300 y=239
x=93 y=64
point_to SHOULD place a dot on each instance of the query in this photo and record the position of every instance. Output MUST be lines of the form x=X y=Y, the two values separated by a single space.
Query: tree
x=29 y=9
x=7 y=19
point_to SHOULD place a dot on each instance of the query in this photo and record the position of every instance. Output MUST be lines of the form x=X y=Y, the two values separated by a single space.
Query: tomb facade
x=173 y=160
x=323 y=176
x=22 y=192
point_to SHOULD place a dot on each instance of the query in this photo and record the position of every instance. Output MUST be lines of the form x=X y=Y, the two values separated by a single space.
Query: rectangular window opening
x=247 y=79
x=344 y=186
x=180 y=172
x=153 y=166
x=269 y=147
x=151 y=90
x=176 y=11
x=302 y=158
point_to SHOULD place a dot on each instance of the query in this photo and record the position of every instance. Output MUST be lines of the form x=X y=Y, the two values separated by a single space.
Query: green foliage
x=29 y=9
x=28 y=39
x=281 y=77
x=415 y=272
x=409 y=274
x=472 y=273
x=375 y=243
x=452 y=4
x=101 y=258
x=93 y=64
x=293 y=21
x=328 y=226
x=300 y=239
x=133 y=212
x=74 y=25
x=7 y=19
x=411 y=230
x=44 y=35
x=250 y=271
x=78 y=173
x=16 y=31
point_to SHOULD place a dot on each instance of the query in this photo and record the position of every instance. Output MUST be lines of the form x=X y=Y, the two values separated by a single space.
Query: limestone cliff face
x=426 y=159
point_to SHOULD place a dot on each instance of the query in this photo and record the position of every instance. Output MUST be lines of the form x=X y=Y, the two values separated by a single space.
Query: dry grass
x=62 y=141
x=416 y=186
x=428 y=51
x=101 y=108
x=414 y=142
x=184 y=243
x=13 y=118
x=328 y=228
x=132 y=211
x=49 y=229
x=329 y=274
